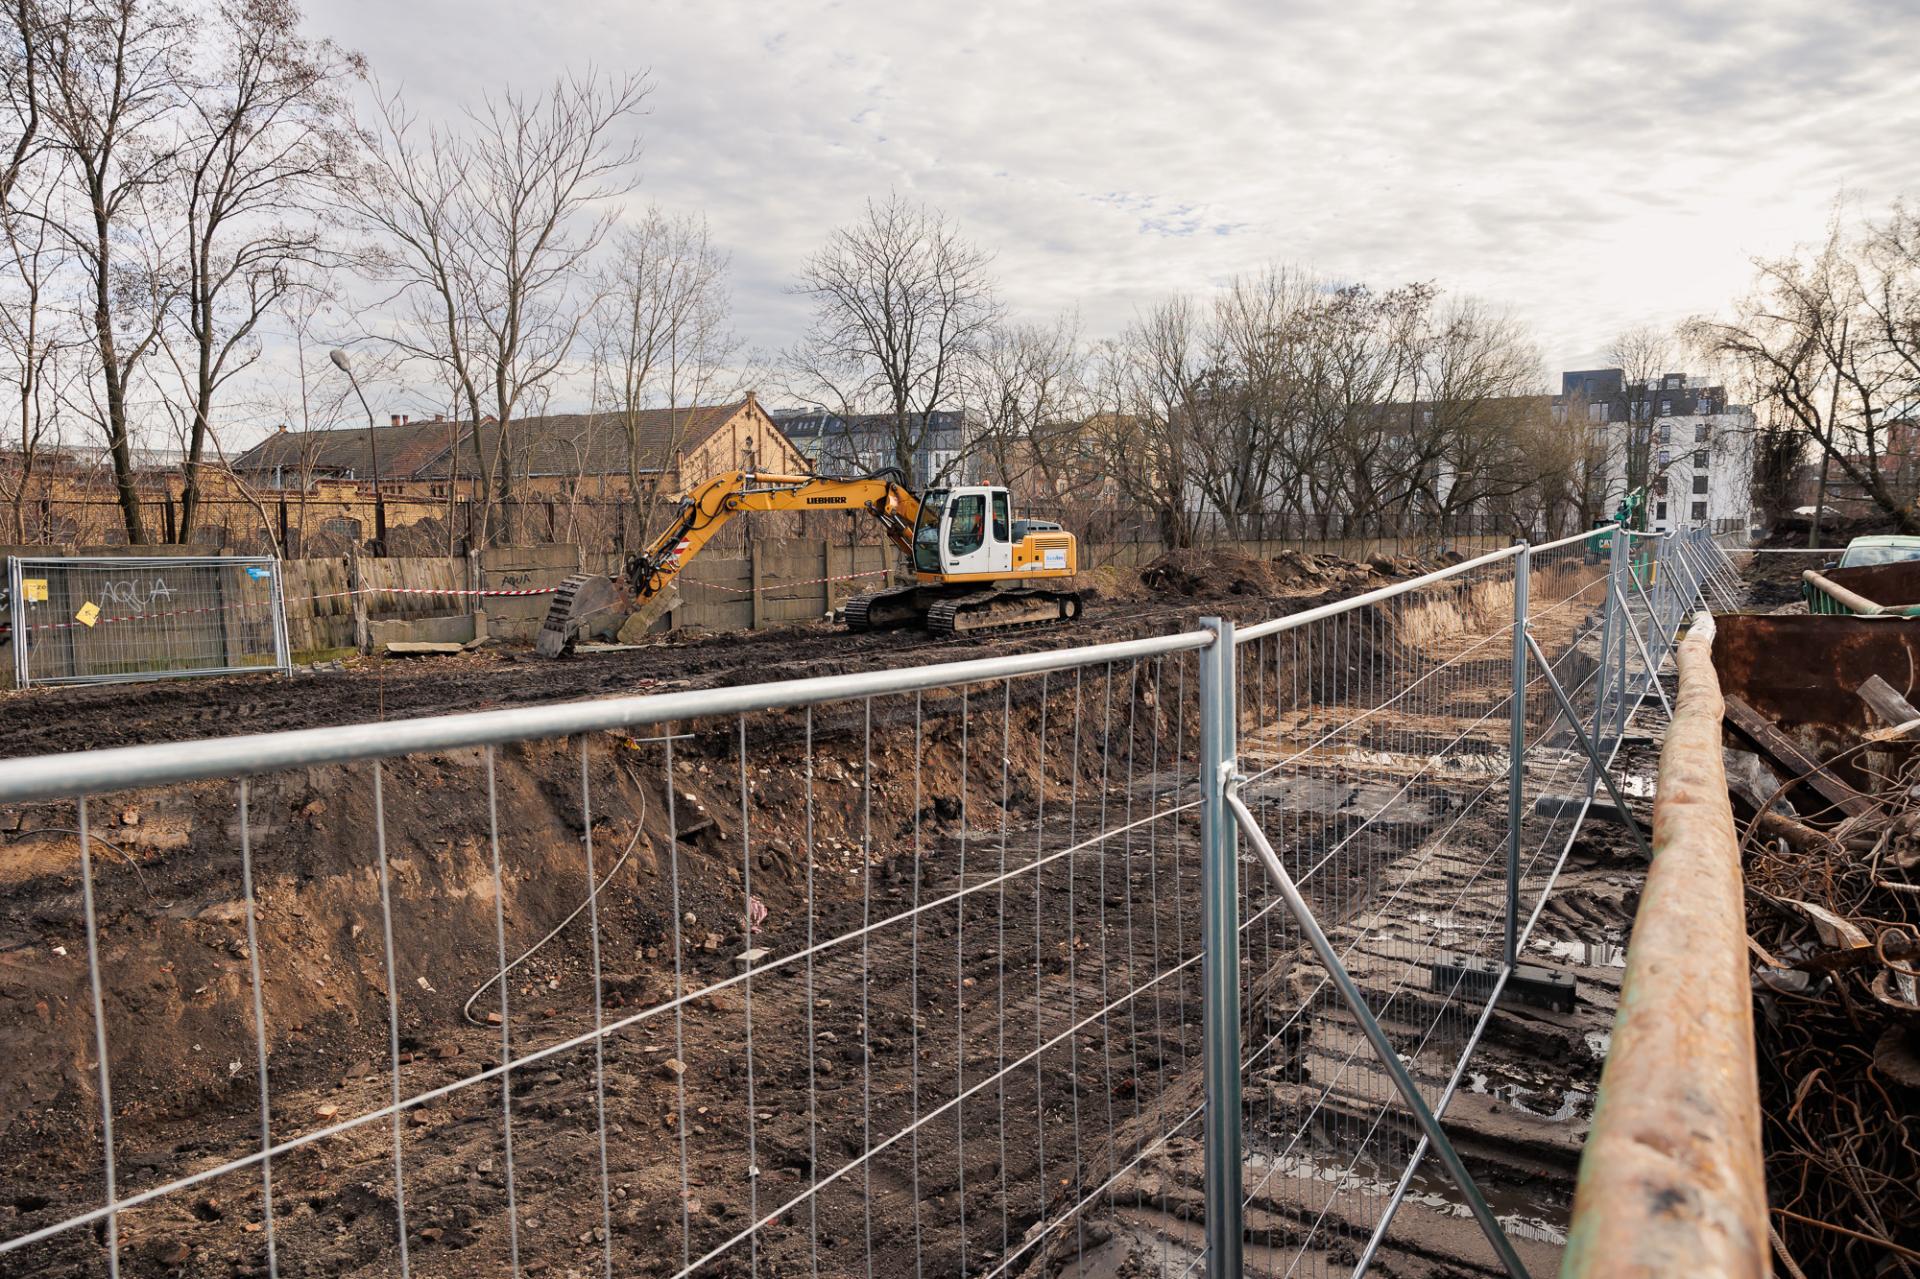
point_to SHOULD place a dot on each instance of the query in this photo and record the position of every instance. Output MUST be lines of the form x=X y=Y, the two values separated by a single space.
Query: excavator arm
x=706 y=510
x=701 y=515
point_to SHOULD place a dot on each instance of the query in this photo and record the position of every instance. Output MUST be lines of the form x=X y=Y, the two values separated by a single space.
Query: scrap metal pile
x=1824 y=767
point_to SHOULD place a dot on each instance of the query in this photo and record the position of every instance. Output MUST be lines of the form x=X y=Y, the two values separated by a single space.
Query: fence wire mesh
x=867 y=975
x=80 y=620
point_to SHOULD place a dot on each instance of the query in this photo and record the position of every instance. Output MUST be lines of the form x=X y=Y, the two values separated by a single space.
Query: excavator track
x=883 y=610
x=979 y=612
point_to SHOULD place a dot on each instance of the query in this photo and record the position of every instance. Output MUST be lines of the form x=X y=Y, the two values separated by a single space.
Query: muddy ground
x=1772 y=575
x=910 y=826
x=54 y=720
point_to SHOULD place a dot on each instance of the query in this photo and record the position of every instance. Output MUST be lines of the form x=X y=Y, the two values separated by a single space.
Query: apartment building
x=1678 y=435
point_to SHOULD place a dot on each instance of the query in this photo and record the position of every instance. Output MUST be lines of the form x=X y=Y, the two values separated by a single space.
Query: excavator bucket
x=575 y=605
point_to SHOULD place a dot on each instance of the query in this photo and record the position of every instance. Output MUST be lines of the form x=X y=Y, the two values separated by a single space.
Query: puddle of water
x=1592 y=954
x=1537 y=1102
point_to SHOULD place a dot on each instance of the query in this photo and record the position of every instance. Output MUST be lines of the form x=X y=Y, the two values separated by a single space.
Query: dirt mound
x=1793 y=531
x=1197 y=573
x=1202 y=574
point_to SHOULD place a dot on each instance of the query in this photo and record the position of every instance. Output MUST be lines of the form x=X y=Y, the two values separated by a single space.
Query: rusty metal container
x=1803 y=674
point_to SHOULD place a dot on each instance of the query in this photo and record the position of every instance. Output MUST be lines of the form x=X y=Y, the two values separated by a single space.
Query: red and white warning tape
x=408 y=590
x=417 y=590
x=811 y=581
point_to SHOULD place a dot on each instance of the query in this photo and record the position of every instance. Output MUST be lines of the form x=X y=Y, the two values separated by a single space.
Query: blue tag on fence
x=257 y=573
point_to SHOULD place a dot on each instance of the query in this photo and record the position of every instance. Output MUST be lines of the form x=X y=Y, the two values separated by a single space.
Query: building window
x=1666 y=432
x=1598 y=411
x=1700 y=511
x=1700 y=460
x=1700 y=433
x=1699 y=483
x=1666 y=457
x=1666 y=408
x=1660 y=511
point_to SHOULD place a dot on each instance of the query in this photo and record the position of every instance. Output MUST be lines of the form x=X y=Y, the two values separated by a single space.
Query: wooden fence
x=333 y=602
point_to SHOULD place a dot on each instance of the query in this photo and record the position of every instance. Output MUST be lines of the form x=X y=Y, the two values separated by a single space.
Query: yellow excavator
x=974 y=566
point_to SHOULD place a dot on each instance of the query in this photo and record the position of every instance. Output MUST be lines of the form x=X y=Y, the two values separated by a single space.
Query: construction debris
x=1833 y=923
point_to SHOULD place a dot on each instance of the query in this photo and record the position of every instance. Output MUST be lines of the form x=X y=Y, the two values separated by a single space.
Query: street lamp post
x=341 y=362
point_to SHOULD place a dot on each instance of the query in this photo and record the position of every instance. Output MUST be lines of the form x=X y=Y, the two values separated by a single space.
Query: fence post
x=1517 y=748
x=362 y=641
x=1604 y=672
x=755 y=617
x=1621 y=569
x=1220 y=949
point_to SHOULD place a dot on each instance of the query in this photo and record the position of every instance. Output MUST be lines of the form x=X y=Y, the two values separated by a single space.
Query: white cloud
x=1589 y=166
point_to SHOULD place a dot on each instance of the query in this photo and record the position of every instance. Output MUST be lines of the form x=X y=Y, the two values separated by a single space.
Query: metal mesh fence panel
x=101 y=620
x=901 y=981
x=903 y=972
x=1373 y=742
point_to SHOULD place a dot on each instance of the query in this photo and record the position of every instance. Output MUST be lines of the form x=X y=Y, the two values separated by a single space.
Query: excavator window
x=1001 y=518
x=926 y=533
x=969 y=524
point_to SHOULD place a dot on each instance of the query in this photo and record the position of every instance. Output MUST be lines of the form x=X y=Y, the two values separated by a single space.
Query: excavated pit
x=851 y=814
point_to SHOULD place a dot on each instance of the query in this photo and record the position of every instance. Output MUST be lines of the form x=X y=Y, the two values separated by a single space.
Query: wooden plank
x=1885 y=701
x=1797 y=762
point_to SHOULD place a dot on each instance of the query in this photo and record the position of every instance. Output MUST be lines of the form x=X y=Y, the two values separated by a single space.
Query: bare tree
x=36 y=336
x=901 y=305
x=661 y=340
x=1256 y=337
x=1776 y=469
x=264 y=131
x=1641 y=354
x=1028 y=389
x=487 y=229
x=23 y=30
x=1359 y=426
x=1827 y=340
x=1153 y=387
x=111 y=82
x=1479 y=369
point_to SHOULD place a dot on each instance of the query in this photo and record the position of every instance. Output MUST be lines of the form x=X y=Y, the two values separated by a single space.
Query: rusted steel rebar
x=1671 y=1180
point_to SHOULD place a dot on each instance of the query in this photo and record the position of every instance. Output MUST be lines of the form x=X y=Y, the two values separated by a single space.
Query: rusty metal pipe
x=1853 y=600
x=1671 y=1180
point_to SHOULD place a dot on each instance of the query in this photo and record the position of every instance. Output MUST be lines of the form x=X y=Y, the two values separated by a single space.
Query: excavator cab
x=965 y=531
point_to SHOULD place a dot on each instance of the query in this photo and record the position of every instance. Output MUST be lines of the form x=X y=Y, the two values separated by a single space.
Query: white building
x=1694 y=449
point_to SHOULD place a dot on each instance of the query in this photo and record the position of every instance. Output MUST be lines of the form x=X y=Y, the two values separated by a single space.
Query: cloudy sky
x=1589 y=166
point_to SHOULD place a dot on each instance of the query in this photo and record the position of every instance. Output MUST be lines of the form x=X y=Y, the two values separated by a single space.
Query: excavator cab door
x=977 y=532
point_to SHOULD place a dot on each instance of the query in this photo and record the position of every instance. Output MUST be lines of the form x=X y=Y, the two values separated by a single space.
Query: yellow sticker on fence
x=89 y=614
x=35 y=588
